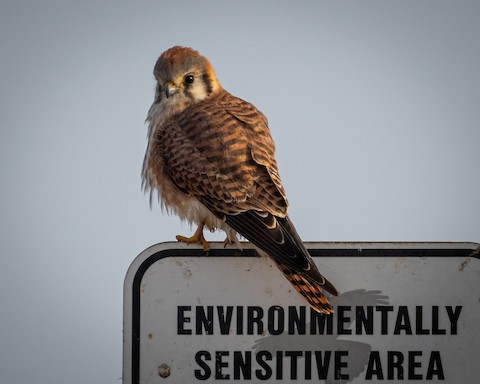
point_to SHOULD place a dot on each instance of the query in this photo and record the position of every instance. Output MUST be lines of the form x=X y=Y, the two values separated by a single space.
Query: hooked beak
x=170 y=89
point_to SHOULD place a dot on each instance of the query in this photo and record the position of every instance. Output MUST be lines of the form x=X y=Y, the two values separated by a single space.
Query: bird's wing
x=221 y=152
x=224 y=156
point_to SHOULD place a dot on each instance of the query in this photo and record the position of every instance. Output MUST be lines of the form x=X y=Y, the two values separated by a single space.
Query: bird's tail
x=311 y=291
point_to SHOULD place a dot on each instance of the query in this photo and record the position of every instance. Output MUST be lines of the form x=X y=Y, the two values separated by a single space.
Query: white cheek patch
x=197 y=92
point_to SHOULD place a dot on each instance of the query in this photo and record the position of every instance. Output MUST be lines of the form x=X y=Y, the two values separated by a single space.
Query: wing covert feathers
x=221 y=150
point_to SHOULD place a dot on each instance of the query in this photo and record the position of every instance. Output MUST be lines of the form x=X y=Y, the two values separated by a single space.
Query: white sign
x=406 y=312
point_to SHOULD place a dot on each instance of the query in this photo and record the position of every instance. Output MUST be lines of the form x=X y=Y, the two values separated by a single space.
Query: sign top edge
x=172 y=246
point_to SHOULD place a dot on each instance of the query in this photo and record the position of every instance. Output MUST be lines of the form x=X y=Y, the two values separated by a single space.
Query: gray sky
x=374 y=106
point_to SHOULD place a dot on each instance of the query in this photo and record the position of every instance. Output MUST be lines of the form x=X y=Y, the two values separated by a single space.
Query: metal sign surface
x=407 y=312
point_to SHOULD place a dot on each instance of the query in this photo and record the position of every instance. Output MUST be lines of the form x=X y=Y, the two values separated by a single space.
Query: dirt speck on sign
x=464 y=264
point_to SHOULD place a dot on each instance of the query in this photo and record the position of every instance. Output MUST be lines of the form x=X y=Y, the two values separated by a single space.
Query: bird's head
x=184 y=77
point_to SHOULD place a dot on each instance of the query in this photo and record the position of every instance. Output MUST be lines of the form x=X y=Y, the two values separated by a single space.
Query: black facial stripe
x=207 y=82
x=158 y=93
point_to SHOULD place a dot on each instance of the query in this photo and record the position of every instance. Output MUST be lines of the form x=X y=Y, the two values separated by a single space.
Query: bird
x=210 y=159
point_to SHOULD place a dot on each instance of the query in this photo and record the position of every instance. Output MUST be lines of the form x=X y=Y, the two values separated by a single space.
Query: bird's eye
x=189 y=79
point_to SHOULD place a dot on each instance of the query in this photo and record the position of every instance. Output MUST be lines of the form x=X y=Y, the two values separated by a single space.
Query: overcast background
x=374 y=106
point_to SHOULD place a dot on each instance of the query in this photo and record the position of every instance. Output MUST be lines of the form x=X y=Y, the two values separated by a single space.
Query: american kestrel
x=211 y=159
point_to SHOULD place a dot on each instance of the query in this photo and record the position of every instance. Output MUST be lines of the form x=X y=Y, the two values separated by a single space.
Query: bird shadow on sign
x=358 y=352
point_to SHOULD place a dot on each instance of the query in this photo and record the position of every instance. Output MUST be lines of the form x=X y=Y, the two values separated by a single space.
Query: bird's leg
x=196 y=238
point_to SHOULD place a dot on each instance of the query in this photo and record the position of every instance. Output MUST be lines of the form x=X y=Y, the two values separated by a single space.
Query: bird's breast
x=156 y=180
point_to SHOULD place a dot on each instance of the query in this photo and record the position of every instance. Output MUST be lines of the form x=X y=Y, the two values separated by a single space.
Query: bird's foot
x=231 y=239
x=227 y=242
x=196 y=238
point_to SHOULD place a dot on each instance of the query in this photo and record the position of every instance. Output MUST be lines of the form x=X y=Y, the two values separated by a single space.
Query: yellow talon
x=196 y=238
